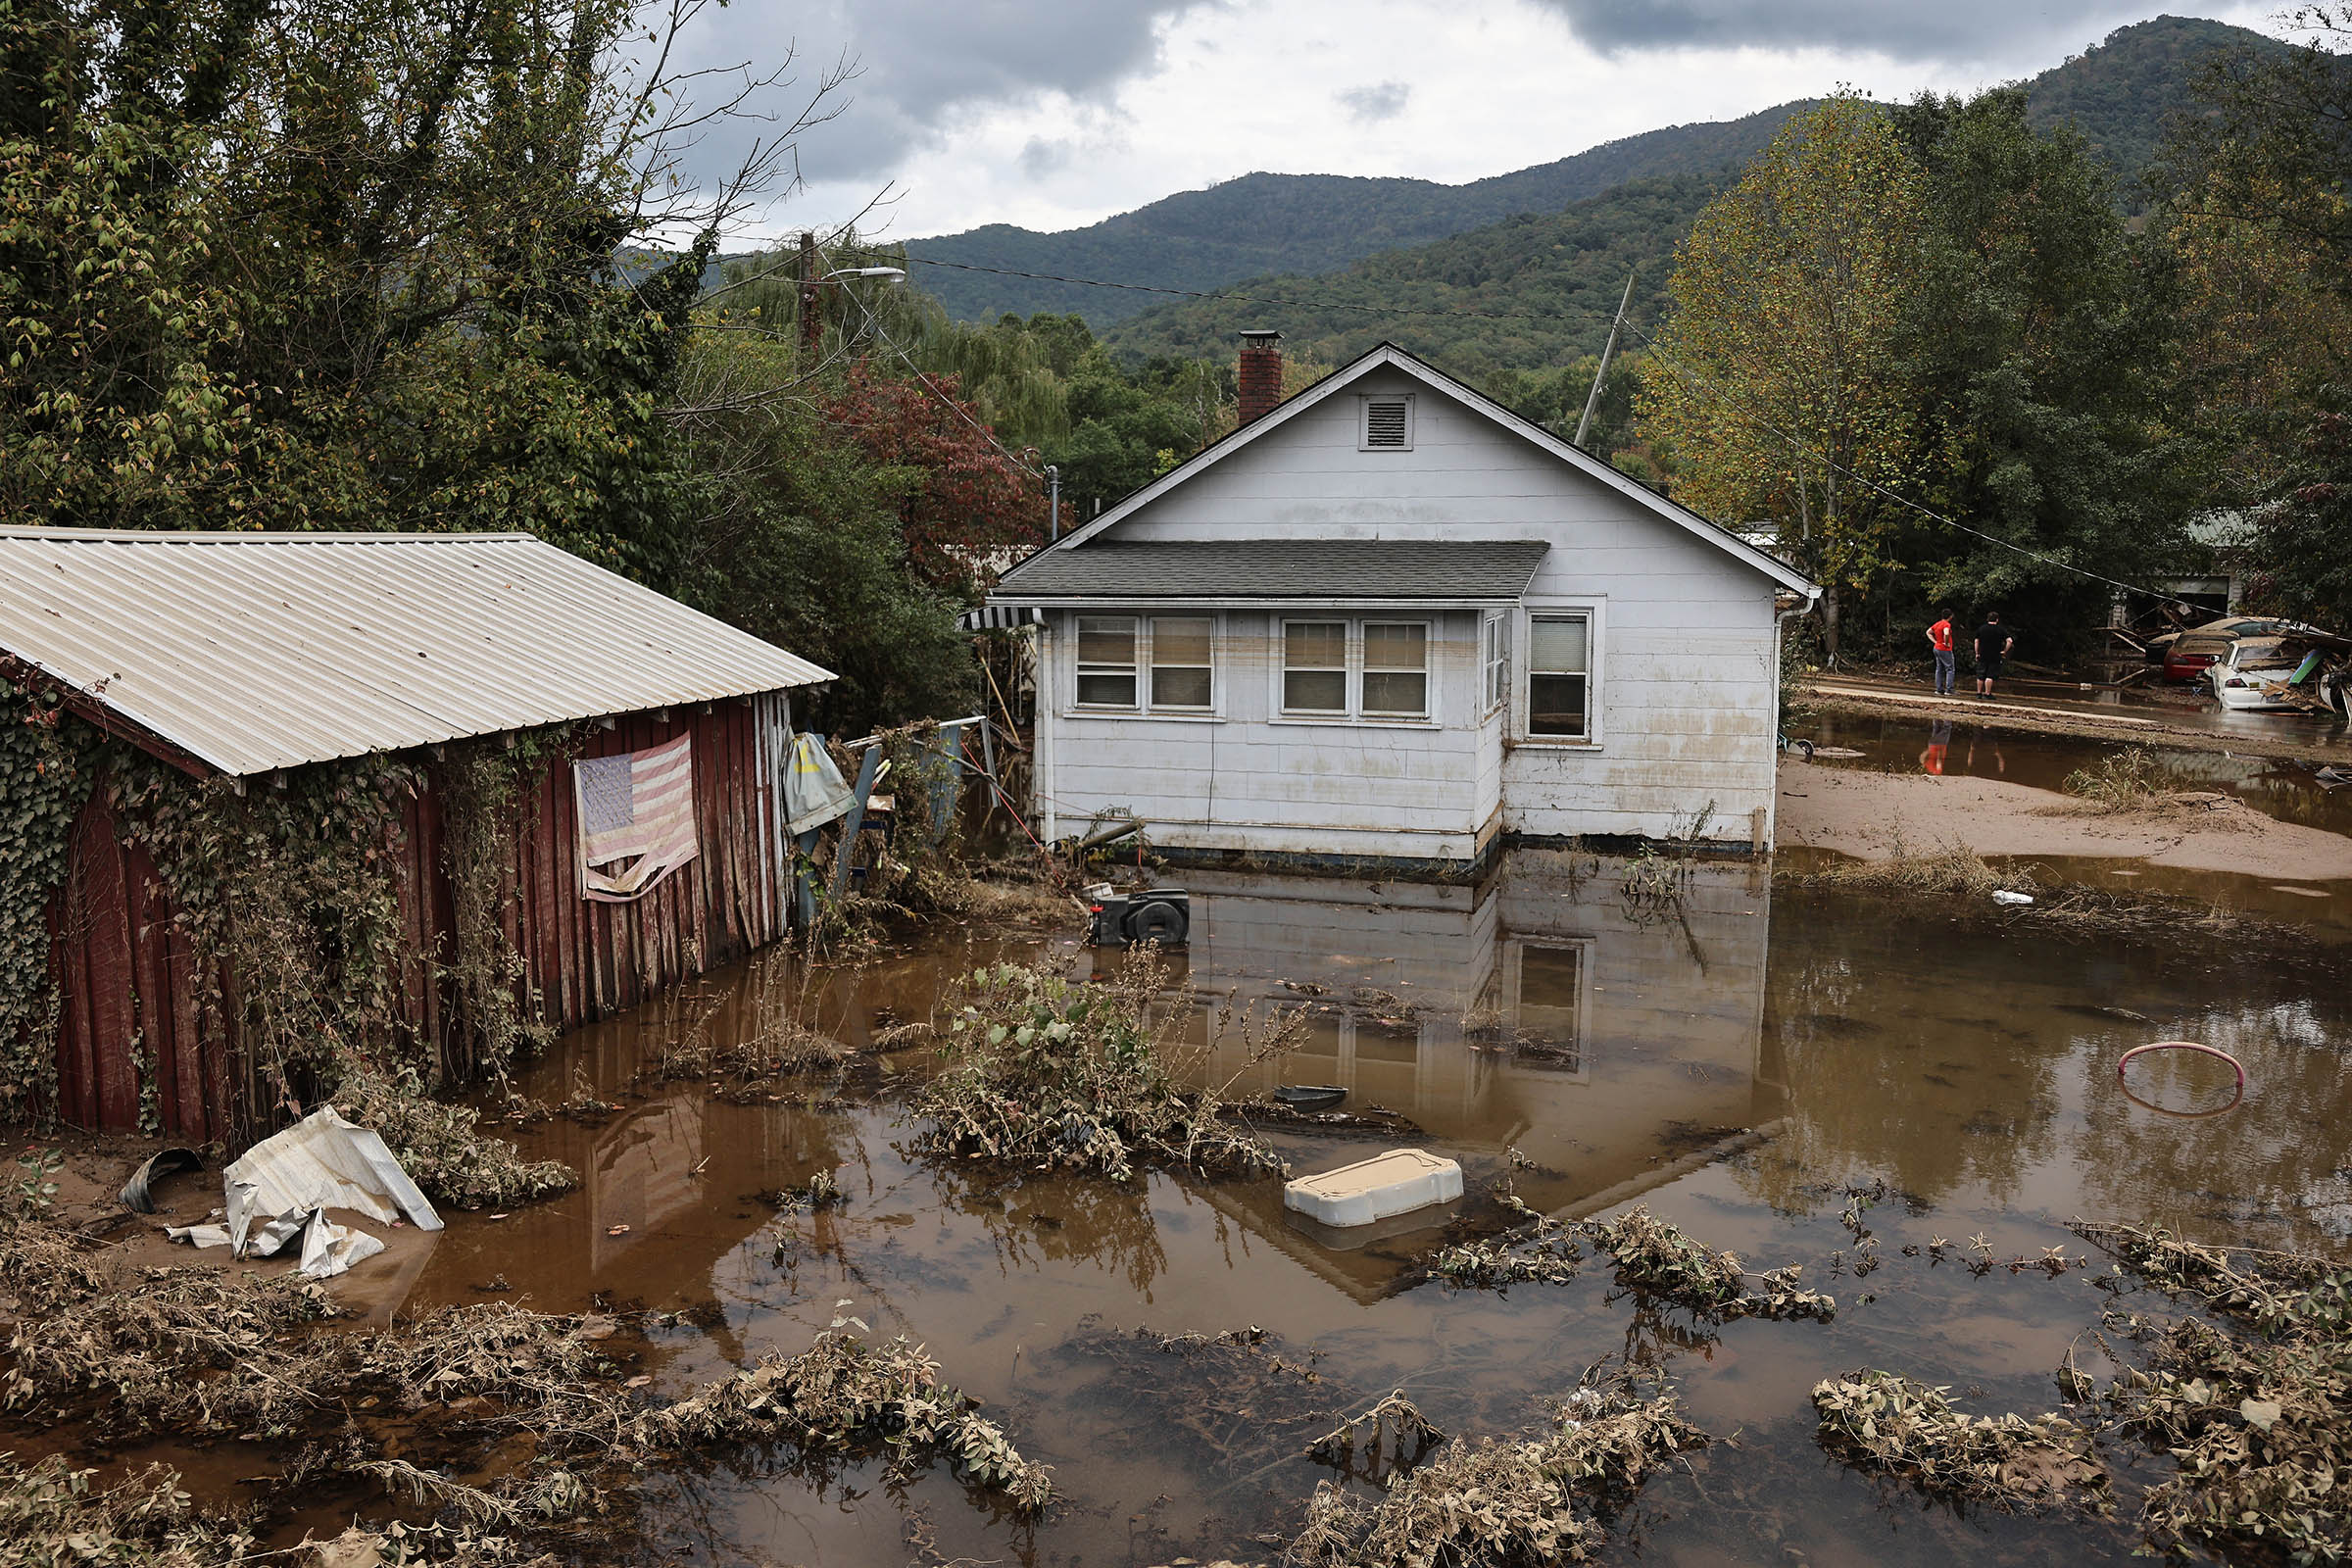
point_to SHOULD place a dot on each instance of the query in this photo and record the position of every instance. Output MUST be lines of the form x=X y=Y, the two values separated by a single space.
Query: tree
x=352 y=265
x=1778 y=382
x=2035 y=344
x=2304 y=536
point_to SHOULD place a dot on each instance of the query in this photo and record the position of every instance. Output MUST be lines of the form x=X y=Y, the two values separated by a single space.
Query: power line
x=985 y=434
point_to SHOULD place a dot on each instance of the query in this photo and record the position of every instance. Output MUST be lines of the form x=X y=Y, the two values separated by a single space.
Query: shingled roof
x=1453 y=571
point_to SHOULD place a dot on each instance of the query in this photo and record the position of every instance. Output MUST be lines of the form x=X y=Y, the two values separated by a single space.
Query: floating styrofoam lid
x=1395 y=1182
x=322 y=1162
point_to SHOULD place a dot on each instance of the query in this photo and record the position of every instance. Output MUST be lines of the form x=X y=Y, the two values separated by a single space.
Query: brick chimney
x=1261 y=371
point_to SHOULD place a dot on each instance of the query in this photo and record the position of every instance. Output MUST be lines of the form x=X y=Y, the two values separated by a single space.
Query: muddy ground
x=2285 y=736
x=1875 y=815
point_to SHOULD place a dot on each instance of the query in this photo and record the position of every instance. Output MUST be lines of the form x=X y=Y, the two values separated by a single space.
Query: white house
x=1390 y=621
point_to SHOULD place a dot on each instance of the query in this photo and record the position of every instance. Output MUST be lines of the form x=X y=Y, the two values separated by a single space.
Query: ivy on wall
x=488 y=797
x=45 y=769
x=290 y=891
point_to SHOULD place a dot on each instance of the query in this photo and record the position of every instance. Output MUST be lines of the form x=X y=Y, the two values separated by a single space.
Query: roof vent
x=1389 y=423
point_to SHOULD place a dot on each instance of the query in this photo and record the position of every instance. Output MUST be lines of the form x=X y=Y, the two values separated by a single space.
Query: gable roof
x=1390 y=356
x=1435 y=571
x=251 y=652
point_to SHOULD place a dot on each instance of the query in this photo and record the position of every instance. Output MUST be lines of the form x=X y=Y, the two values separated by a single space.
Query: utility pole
x=812 y=322
x=1593 y=399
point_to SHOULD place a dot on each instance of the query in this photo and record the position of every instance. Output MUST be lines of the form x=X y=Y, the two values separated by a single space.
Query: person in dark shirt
x=1993 y=643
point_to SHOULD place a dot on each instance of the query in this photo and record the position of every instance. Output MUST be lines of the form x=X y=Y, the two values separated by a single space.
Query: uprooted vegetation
x=1089 y=1078
x=1659 y=1260
x=197 y=1354
x=2255 y=1410
x=1885 y=1422
x=444 y=1149
x=1505 y=1501
x=2128 y=780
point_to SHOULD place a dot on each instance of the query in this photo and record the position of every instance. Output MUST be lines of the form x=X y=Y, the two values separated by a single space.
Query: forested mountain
x=1263 y=225
x=1545 y=285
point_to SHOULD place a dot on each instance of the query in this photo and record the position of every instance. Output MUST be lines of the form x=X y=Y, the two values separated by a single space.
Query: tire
x=1158 y=921
x=1803 y=750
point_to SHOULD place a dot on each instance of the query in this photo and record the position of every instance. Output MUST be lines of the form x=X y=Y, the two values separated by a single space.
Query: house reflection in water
x=1605 y=1039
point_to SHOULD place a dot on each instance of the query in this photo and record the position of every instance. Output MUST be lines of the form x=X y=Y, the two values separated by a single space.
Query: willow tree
x=1777 y=382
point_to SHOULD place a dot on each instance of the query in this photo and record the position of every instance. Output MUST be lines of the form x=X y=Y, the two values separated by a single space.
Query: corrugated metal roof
x=1452 y=570
x=259 y=651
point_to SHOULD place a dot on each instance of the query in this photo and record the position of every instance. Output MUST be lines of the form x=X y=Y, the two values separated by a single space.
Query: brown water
x=1967 y=1064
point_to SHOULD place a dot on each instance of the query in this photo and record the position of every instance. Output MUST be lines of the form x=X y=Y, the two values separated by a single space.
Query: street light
x=811 y=326
x=894 y=274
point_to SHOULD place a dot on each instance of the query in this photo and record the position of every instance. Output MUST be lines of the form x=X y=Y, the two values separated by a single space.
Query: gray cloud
x=1908 y=29
x=1374 y=102
x=923 y=64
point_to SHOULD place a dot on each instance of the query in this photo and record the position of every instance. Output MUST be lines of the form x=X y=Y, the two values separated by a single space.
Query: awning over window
x=1000 y=618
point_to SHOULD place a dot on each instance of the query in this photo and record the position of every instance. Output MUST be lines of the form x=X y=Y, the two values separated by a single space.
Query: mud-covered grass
x=1663 y=1262
x=1884 y=1422
x=1093 y=1078
x=1505 y=1501
x=2127 y=780
x=385 y=1420
x=443 y=1147
x=1952 y=870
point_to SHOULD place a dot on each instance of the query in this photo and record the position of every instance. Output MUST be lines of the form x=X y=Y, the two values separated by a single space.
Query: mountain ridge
x=2117 y=92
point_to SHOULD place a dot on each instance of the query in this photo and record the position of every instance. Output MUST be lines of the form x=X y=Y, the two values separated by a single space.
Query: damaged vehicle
x=2294 y=669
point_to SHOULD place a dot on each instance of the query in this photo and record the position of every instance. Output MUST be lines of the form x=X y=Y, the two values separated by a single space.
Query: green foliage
x=1779 y=379
x=2036 y=346
x=2121 y=95
x=485 y=815
x=289 y=889
x=45 y=773
x=350 y=267
x=2304 y=537
x=1548 y=283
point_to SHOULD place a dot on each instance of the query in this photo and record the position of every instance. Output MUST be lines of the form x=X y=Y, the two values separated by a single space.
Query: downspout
x=1780 y=633
x=1048 y=703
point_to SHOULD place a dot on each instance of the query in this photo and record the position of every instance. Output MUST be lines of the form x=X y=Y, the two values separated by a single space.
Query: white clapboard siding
x=1686 y=680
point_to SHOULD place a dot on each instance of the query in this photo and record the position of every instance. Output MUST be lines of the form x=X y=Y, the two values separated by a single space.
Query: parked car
x=2200 y=648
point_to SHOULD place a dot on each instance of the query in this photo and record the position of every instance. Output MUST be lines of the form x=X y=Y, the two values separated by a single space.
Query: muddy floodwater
x=1738 y=1065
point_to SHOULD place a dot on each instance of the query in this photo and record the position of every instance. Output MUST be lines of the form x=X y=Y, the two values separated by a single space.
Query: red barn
x=645 y=842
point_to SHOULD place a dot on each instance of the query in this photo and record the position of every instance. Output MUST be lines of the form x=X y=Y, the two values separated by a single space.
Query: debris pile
x=1659 y=1260
x=2257 y=1413
x=443 y=1149
x=1085 y=1078
x=1885 y=1422
x=1504 y=1499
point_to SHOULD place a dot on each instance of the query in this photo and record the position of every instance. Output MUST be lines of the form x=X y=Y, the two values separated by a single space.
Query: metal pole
x=855 y=822
x=1053 y=501
x=1593 y=399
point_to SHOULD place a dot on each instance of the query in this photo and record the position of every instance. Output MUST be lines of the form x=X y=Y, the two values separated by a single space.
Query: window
x=1107 y=662
x=1547 y=1005
x=1314 y=666
x=1388 y=423
x=1560 y=677
x=1182 y=669
x=1495 y=652
x=1396 y=669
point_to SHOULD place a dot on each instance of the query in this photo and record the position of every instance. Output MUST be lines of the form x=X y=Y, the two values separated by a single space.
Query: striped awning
x=1001 y=618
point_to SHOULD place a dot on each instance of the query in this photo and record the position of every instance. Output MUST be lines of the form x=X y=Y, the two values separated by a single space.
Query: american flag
x=636 y=816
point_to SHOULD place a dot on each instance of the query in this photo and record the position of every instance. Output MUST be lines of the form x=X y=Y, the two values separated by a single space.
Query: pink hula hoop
x=2235 y=1066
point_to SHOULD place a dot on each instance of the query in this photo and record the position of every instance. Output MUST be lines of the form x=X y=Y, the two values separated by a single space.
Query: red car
x=2195 y=650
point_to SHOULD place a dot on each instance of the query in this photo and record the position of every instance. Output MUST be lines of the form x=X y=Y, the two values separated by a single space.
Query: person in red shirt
x=1939 y=638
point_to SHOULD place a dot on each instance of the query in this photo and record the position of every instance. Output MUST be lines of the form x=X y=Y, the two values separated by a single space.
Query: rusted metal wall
x=131 y=1024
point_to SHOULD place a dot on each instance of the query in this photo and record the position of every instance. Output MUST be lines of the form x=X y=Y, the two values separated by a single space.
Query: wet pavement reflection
x=1735 y=1058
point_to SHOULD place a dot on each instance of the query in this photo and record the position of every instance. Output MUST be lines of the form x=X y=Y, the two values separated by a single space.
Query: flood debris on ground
x=1241 y=1401
x=1658 y=1259
x=1089 y=1078
x=1886 y=1422
x=1503 y=1500
x=124 y=1355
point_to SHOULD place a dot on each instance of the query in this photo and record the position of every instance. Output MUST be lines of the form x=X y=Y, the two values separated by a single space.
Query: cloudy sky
x=1053 y=114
